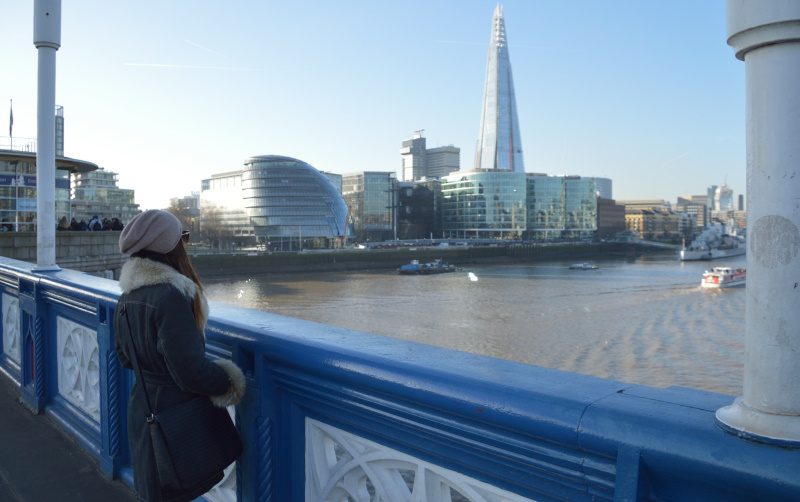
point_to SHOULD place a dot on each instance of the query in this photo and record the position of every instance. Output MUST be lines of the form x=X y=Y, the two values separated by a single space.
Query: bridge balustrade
x=334 y=414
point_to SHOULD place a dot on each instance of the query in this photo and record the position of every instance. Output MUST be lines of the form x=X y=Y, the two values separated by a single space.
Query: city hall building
x=280 y=201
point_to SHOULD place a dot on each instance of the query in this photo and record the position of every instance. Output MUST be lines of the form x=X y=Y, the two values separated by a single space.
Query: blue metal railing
x=331 y=412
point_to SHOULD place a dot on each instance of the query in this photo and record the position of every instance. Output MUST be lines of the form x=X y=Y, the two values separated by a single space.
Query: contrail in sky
x=193 y=67
x=195 y=44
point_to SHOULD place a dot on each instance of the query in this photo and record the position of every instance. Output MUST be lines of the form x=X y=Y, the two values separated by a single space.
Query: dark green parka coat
x=171 y=351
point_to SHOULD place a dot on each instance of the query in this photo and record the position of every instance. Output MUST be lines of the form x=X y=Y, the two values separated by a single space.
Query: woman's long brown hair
x=179 y=260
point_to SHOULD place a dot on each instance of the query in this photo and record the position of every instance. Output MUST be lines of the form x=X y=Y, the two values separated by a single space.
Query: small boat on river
x=434 y=267
x=583 y=266
x=723 y=277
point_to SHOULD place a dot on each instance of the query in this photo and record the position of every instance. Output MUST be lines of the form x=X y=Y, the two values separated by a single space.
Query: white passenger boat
x=723 y=277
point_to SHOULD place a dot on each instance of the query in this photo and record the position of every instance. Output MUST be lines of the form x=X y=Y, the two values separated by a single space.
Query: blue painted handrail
x=525 y=431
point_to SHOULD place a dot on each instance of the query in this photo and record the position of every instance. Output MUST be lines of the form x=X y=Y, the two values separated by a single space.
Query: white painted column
x=47 y=39
x=766 y=35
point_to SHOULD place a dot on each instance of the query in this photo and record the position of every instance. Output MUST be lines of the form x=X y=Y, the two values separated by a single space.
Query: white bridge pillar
x=766 y=35
x=47 y=39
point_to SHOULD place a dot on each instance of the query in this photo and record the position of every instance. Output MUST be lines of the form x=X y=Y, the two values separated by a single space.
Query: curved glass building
x=286 y=198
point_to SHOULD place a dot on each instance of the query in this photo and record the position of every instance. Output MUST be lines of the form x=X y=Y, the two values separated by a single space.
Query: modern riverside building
x=563 y=207
x=370 y=198
x=603 y=187
x=484 y=203
x=610 y=218
x=502 y=204
x=695 y=206
x=499 y=141
x=96 y=193
x=420 y=162
x=417 y=210
x=281 y=201
x=223 y=219
x=546 y=207
x=580 y=207
x=18 y=188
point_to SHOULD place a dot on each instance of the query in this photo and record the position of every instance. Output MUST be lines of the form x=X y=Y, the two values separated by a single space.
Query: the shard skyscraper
x=499 y=143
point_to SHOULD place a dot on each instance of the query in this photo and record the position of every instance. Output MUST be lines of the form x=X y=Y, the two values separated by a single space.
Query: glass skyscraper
x=499 y=143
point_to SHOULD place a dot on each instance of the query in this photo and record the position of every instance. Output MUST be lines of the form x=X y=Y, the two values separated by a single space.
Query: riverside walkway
x=39 y=462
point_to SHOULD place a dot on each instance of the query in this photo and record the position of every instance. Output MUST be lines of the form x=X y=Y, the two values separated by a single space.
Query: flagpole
x=11 y=125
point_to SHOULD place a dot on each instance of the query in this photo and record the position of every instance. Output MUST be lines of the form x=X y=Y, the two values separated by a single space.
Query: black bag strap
x=152 y=416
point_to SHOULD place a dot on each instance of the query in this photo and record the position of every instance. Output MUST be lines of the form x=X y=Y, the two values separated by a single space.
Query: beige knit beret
x=153 y=230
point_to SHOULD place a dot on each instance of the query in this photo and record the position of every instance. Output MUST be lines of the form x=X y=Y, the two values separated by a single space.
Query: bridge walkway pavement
x=39 y=462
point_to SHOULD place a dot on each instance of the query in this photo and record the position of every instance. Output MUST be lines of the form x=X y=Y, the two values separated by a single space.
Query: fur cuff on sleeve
x=237 y=385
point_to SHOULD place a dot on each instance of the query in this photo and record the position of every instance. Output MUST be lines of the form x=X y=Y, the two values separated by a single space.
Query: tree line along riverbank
x=362 y=259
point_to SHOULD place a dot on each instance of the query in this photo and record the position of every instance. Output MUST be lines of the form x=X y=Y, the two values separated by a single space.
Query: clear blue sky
x=168 y=92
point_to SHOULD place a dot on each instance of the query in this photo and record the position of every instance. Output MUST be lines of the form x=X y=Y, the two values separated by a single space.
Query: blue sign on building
x=28 y=181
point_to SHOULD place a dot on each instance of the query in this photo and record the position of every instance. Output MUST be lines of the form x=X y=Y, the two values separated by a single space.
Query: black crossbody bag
x=192 y=441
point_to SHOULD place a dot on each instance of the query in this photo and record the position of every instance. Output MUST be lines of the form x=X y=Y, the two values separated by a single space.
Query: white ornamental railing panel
x=78 y=366
x=341 y=467
x=11 y=328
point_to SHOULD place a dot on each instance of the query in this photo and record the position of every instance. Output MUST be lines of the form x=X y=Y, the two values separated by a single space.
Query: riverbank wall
x=368 y=259
x=96 y=253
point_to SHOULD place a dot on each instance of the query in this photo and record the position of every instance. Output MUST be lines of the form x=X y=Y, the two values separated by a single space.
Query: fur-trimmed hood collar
x=140 y=272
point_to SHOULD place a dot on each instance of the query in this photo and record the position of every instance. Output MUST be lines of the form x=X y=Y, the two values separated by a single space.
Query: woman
x=166 y=310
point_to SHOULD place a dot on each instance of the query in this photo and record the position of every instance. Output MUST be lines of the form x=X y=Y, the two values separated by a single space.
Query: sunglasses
x=185 y=236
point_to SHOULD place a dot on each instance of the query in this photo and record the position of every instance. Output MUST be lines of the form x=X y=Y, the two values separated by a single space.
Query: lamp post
x=47 y=39
x=765 y=35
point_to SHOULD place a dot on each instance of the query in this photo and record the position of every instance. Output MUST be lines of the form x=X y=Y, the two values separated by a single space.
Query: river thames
x=644 y=320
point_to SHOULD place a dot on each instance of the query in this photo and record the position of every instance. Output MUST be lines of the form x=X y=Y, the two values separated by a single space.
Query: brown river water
x=643 y=321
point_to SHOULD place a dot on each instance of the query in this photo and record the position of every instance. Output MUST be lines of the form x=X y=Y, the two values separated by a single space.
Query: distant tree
x=185 y=214
x=212 y=226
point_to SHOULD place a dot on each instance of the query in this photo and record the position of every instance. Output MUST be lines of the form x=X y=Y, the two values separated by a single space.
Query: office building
x=484 y=203
x=562 y=207
x=546 y=209
x=723 y=198
x=603 y=187
x=610 y=218
x=420 y=162
x=370 y=198
x=223 y=217
x=580 y=207
x=416 y=210
x=695 y=206
x=95 y=193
